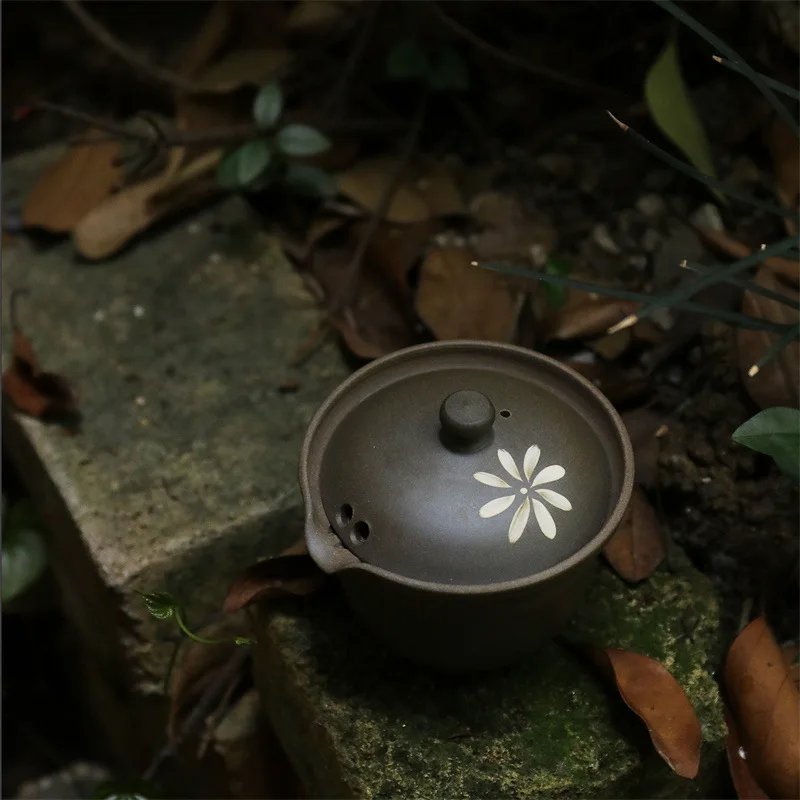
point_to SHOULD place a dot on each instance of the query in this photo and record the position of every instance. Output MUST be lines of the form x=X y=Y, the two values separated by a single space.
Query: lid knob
x=467 y=418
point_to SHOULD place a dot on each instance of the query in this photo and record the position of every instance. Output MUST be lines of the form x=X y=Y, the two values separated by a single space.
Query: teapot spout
x=326 y=548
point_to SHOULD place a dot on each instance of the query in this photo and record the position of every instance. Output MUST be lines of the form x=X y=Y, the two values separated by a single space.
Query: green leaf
x=305 y=179
x=555 y=294
x=449 y=72
x=161 y=605
x=775 y=432
x=673 y=111
x=245 y=164
x=268 y=104
x=24 y=559
x=301 y=140
x=243 y=640
x=407 y=60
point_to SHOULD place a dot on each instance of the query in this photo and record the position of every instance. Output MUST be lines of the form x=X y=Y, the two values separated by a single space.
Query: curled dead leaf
x=725 y=243
x=652 y=693
x=744 y=783
x=44 y=395
x=77 y=183
x=459 y=301
x=643 y=425
x=274 y=577
x=112 y=224
x=637 y=548
x=765 y=704
x=585 y=314
x=777 y=383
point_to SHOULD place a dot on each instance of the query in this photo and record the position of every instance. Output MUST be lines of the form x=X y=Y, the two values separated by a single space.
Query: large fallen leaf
x=43 y=395
x=672 y=109
x=244 y=68
x=777 y=383
x=585 y=314
x=744 y=783
x=77 y=183
x=765 y=704
x=637 y=548
x=658 y=699
x=110 y=226
x=431 y=195
x=274 y=577
x=459 y=301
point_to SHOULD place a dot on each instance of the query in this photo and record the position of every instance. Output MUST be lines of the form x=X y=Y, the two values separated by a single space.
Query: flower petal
x=509 y=464
x=555 y=499
x=491 y=480
x=531 y=460
x=548 y=474
x=495 y=507
x=544 y=518
x=519 y=521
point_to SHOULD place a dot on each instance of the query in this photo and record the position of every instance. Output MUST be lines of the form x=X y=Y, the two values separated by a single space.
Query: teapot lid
x=466 y=463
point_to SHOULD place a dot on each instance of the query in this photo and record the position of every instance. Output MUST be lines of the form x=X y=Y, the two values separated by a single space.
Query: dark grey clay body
x=462 y=490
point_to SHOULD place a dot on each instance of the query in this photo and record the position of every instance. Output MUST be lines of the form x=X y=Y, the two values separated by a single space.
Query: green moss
x=545 y=729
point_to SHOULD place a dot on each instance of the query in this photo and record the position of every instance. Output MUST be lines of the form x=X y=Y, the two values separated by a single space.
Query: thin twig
x=203 y=708
x=713 y=183
x=748 y=286
x=732 y=318
x=128 y=54
x=521 y=63
x=347 y=290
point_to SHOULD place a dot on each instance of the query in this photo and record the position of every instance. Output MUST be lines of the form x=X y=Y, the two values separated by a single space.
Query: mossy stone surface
x=359 y=722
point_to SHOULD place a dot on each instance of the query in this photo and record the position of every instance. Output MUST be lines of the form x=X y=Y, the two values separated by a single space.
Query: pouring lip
x=313 y=503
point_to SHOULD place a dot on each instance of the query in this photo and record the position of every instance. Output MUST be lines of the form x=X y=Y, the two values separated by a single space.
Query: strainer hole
x=360 y=532
x=345 y=515
x=505 y=413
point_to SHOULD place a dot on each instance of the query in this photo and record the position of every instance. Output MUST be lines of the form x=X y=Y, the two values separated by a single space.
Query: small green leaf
x=245 y=164
x=305 y=179
x=673 y=111
x=301 y=140
x=161 y=605
x=407 y=60
x=268 y=104
x=124 y=790
x=775 y=432
x=243 y=640
x=24 y=559
x=449 y=72
x=556 y=295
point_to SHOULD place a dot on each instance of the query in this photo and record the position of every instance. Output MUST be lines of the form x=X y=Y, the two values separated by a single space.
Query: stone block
x=186 y=467
x=358 y=722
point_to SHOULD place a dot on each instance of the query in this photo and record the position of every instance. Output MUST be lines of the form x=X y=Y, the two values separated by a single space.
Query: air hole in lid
x=360 y=532
x=505 y=413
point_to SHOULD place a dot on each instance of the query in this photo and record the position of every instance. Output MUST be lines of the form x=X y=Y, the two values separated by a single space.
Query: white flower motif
x=530 y=482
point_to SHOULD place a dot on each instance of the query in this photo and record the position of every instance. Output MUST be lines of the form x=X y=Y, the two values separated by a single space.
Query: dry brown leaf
x=765 y=704
x=313 y=15
x=208 y=41
x=275 y=577
x=612 y=345
x=777 y=383
x=658 y=699
x=637 y=548
x=726 y=244
x=620 y=386
x=110 y=226
x=744 y=783
x=243 y=68
x=459 y=301
x=44 y=395
x=432 y=195
x=585 y=314
x=785 y=148
x=642 y=426
x=77 y=183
